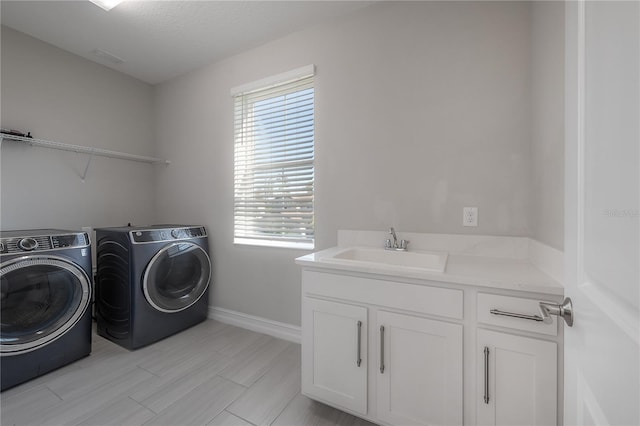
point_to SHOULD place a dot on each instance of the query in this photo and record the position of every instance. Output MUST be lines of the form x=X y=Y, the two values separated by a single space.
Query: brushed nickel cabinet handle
x=358 y=357
x=486 y=375
x=563 y=310
x=382 y=349
x=515 y=315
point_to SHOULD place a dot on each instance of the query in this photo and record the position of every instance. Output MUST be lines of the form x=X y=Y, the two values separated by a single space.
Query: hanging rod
x=83 y=149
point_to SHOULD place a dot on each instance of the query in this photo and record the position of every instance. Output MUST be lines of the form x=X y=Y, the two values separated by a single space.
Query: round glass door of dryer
x=177 y=277
x=42 y=297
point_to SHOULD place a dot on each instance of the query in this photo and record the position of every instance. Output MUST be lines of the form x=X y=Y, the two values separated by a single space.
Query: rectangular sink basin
x=428 y=261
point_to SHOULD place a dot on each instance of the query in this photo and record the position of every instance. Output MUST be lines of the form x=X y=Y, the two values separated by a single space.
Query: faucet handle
x=387 y=243
x=404 y=244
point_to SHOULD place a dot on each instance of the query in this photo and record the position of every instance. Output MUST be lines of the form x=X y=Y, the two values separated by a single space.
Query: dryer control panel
x=166 y=234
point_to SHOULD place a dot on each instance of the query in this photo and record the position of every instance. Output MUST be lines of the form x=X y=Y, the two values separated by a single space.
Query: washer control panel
x=28 y=244
x=70 y=240
x=167 y=234
x=31 y=243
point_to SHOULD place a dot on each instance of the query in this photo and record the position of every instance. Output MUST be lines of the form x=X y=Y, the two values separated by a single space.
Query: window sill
x=277 y=244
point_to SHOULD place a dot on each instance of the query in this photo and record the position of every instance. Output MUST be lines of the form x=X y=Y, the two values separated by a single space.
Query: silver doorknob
x=563 y=310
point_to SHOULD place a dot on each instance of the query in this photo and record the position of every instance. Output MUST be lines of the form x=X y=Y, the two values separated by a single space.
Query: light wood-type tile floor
x=211 y=374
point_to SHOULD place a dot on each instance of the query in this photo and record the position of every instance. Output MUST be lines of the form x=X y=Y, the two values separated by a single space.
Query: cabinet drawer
x=438 y=301
x=502 y=306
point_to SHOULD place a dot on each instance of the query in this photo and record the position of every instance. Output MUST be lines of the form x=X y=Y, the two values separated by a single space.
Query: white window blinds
x=274 y=153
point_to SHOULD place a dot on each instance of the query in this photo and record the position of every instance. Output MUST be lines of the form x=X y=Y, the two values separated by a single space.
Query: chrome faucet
x=393 y=245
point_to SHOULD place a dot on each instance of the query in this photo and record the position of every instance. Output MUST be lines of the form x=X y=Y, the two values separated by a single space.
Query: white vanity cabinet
x=410 y=366
x=411 y=352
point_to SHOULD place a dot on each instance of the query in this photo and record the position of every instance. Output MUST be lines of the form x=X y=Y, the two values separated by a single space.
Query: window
x=273 y=165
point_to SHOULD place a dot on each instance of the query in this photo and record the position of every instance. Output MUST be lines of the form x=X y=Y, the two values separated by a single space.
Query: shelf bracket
x=86 y=168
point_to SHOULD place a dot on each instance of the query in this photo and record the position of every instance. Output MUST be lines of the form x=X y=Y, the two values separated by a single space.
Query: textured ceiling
x=158 y=40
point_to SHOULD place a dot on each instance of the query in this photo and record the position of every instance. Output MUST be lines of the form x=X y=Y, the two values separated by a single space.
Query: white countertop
x=511 y=273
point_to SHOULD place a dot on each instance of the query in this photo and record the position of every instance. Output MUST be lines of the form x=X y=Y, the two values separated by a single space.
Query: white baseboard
x=277 y=329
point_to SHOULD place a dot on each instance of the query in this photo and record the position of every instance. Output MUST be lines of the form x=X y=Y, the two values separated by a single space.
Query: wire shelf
x=84 y=149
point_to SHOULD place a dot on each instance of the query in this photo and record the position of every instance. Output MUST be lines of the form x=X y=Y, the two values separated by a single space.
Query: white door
x=517 y=380
x=602 y=235
x=419 y=370
x=334 y=342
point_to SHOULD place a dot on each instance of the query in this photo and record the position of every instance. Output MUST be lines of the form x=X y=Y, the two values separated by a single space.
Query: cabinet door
x=334 y=353
x=419 y=370
x=517 y=380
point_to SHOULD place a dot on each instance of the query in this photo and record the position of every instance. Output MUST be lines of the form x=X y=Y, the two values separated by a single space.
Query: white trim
x=274 y=243
x=277 y=329
x=264 y=83
x=588 y=405
x=580 y=138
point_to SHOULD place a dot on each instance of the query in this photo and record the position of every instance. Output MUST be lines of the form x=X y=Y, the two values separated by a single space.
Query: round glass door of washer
x=176 y=277
x=42 y=297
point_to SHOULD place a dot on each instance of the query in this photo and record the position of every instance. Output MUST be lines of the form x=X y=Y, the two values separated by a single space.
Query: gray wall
x=62 y=97
x=547 y=125
x=422 y=108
